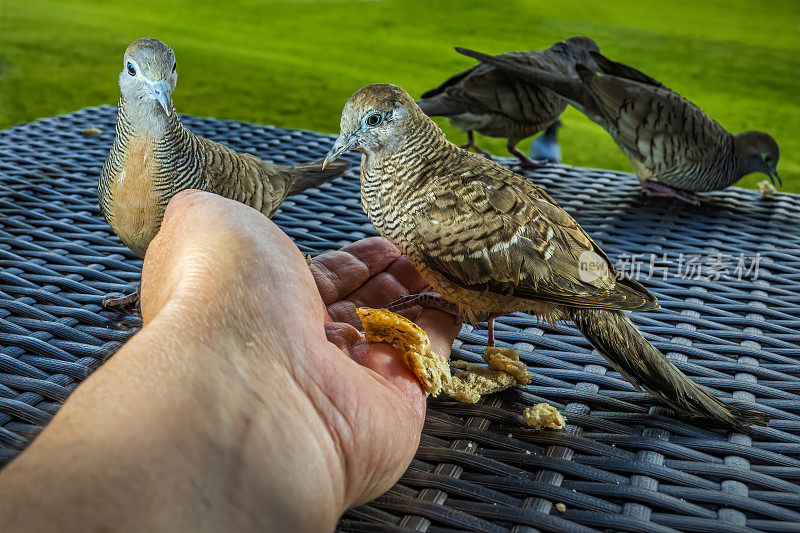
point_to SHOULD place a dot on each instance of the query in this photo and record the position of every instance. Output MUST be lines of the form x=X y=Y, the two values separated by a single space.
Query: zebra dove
x=497 y=104
x=675 y=148
x=154 y=156
x=490 y=242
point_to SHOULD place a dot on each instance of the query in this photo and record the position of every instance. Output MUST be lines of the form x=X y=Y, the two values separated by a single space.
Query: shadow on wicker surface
x=623 y=463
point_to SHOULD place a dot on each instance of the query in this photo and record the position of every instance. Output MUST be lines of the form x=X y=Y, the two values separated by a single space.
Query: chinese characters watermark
x=687 y=266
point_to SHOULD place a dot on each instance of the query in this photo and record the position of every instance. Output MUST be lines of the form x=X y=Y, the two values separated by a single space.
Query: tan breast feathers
x=136 y=211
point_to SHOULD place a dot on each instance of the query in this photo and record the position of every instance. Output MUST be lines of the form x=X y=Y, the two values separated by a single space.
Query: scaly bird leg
x=471 y=144
x=523 y=160
x=655 y=188
x=490 y=327
x=118 y=300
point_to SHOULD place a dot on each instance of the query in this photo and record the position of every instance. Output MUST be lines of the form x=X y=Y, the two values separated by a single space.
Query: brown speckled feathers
x=486 y=228
x=667 y=138
x=143 y=172
x=497 y=103
x=491 y=242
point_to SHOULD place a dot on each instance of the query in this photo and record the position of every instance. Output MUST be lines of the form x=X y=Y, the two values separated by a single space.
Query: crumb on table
x=476 y=381
x=560 y=507
x=507 y=360
x=92 y=131
x=543 y=415
x=767 y=188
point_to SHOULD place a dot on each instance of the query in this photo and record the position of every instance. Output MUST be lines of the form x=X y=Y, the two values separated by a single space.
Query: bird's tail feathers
x=618 y=340
x=311 y=174
x=621 y=70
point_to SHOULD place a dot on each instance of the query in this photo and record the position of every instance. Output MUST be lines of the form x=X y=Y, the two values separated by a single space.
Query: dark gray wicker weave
x=623 y=463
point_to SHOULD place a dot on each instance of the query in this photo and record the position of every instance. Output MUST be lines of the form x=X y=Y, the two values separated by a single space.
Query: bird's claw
x=118 y=300
x=430 y=300
x=654 y=188
x=477 y=150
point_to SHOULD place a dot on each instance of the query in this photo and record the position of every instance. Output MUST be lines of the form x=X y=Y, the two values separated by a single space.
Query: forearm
x=167 y=435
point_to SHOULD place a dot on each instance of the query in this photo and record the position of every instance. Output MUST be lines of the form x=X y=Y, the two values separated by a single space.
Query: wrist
x=278 y=465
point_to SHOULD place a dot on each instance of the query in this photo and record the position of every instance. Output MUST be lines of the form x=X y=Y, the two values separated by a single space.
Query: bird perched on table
x=546 y=147
x=498 y=104
x=154 y=156
x=490 y=242
x=675 y=148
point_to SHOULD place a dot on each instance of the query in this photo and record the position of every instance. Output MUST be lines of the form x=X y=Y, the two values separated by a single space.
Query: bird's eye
x=374 y=119
x=174 y=67
x=767 y=158
x=131 y=70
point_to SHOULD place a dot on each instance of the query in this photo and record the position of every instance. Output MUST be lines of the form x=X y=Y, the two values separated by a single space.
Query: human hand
x=351 y=411
x=247 y=402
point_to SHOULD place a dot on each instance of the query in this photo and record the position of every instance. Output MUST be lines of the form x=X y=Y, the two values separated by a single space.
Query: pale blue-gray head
x=149 y=73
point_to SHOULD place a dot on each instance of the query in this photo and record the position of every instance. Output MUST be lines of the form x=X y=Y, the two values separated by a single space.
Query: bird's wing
x=484 y=88
x=449 y=82
x=485 y=228
x=654 y=122
x=244 y=177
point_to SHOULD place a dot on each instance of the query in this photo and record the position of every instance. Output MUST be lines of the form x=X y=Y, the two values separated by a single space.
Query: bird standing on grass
x=675 y=148
x=154 y=156
x=491 y=243
x=498 y=104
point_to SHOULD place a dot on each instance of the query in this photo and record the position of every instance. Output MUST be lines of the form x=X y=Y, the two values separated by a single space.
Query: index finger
x=339 y=273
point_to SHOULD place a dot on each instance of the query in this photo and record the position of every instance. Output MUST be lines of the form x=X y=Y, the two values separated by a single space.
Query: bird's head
x=376 y=117
x=579 y=48
x=149 y=72
x=761 y=153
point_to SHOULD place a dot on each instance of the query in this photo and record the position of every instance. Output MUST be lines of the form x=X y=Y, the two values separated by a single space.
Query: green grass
x=294 y=63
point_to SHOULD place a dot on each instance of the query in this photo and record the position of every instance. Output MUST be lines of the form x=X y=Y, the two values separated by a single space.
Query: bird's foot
x=431 y=300
x=472 y=146
x=655 y=188
x=524 y=162
x=119 y=300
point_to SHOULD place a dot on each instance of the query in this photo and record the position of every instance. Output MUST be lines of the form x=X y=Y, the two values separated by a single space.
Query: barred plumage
x=675 y=148
x=497 y=104
x=154 y=156
x=491 y=242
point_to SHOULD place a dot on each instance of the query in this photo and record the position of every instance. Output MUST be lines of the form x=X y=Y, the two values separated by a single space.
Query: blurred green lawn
x=293 y=63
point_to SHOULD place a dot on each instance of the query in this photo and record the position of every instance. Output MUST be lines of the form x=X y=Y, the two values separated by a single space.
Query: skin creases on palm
x=371 y=273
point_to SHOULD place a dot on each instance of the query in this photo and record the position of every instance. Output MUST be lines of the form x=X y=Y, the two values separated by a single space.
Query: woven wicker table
x=727 y=276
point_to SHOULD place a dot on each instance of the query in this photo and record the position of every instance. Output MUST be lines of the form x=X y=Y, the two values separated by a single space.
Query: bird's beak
x=342 y=144
x=773 y=175
x=161 y=92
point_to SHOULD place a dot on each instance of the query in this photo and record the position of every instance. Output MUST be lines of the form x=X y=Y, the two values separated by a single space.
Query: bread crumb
x=92 y=131
x=309 y=260
x=476 y=381
x=560 y=507
x=430 y=368
x=508 y=361
x=543 y=415
x=767 y=188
